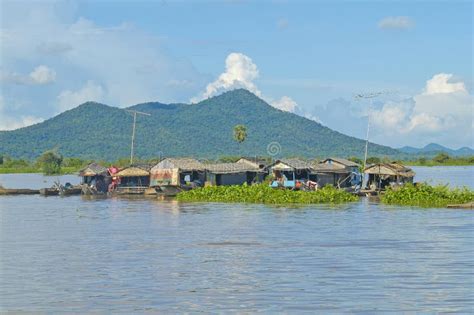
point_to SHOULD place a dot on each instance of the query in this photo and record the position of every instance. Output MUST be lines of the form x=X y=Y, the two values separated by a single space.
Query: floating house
x=221 y=174
x=172 y=175
x=338 y=172
x=95 y=179
x=383 y=175
x=290 y=173
x=132 y=180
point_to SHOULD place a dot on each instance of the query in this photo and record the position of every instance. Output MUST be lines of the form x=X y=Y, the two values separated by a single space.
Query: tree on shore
x=50 y=162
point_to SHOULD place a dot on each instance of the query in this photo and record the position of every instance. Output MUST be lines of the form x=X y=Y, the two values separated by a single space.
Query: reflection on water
x=136 y=255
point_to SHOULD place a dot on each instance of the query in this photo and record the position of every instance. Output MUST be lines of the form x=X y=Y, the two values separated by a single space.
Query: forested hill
x=98 y=131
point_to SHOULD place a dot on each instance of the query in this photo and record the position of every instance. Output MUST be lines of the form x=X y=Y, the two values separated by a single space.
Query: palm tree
x=240 y=133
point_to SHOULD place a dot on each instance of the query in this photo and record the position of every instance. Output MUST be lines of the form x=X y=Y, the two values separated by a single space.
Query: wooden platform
x=14 y=191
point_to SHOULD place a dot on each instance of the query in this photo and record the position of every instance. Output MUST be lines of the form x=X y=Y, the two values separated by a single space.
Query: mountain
x=98 y=131
x=434 y=148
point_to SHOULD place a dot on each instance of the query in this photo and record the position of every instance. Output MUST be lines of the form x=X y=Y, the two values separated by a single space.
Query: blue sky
x=308 y=57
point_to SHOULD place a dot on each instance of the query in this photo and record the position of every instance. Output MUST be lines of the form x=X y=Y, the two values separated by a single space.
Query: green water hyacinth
x=424 y=195
x=262 y=193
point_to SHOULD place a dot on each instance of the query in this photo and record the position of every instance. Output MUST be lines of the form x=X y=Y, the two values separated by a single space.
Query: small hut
x=132 y=180
x=290 y=173
x=341 y=173
x=221 y=174
x=95 y=179
x=382 y=175
x=174 y=174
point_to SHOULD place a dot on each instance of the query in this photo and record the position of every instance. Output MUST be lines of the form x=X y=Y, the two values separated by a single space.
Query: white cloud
x=240 y=72
x=286 y=104
x=440 y=84
x=43 y=75
x=442 y=112
x=130 y=65
x=7 y=122
x=396 y=22
x=39 y=76
x=89 y=92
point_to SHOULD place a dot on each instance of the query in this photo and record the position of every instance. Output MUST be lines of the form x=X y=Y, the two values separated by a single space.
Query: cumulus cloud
x=396 y=22
x=42 y=75
x=440 y=83
x=241 y=72
x=443 y=110
x=286 y=104
x=89 y=92
x=39 y=76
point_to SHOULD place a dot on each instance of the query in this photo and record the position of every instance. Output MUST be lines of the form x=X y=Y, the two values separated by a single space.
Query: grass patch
x=424 y=195
x=262 y=193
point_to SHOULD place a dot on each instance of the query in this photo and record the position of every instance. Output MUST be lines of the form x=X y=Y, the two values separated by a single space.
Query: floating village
x=170 y=176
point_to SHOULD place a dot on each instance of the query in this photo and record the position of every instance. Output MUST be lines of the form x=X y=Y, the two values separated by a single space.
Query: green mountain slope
x=98 y=131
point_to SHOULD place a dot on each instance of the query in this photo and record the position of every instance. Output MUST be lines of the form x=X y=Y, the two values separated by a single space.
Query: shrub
x=262 y=193
x=424 y=195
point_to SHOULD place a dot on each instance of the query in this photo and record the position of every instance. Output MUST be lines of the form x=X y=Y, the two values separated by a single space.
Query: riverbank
x=262 y=193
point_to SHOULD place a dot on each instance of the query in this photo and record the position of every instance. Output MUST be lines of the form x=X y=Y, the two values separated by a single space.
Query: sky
x=411 y=61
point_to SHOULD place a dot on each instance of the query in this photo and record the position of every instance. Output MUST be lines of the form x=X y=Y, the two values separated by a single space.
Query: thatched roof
x=344 y=162
x=94 y=169
x=185 y=164
x=393 y=169
x=285 y=164
x=139 y=170
x=229 y=168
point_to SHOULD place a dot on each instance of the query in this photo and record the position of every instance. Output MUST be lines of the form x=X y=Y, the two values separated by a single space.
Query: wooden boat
x=172 y=190
x=469 y=205
x=20 y=191
x=70 y=191
x=134 y=190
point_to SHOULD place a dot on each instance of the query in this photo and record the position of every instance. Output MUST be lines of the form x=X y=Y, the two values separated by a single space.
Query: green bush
x=262 y=193
x=50 y=162
x=424 y=195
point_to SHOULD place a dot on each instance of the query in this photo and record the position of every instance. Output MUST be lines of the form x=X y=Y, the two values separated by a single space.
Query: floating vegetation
x=262 y=193
x=424 y=195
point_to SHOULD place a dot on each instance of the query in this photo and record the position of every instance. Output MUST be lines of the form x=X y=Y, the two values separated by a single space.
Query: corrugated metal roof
x=185 y=164
x=294 y=163
x=342 y=161
x=228 y=168
x=327 y=168
x=395 y=169
x=133 y=171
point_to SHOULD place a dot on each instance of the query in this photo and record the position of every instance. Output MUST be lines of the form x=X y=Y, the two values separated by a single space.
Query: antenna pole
x=134 y=112
x=367 y=137
x=133 y=136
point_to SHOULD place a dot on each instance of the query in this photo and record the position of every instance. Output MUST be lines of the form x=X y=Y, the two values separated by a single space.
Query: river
x=141 y=255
